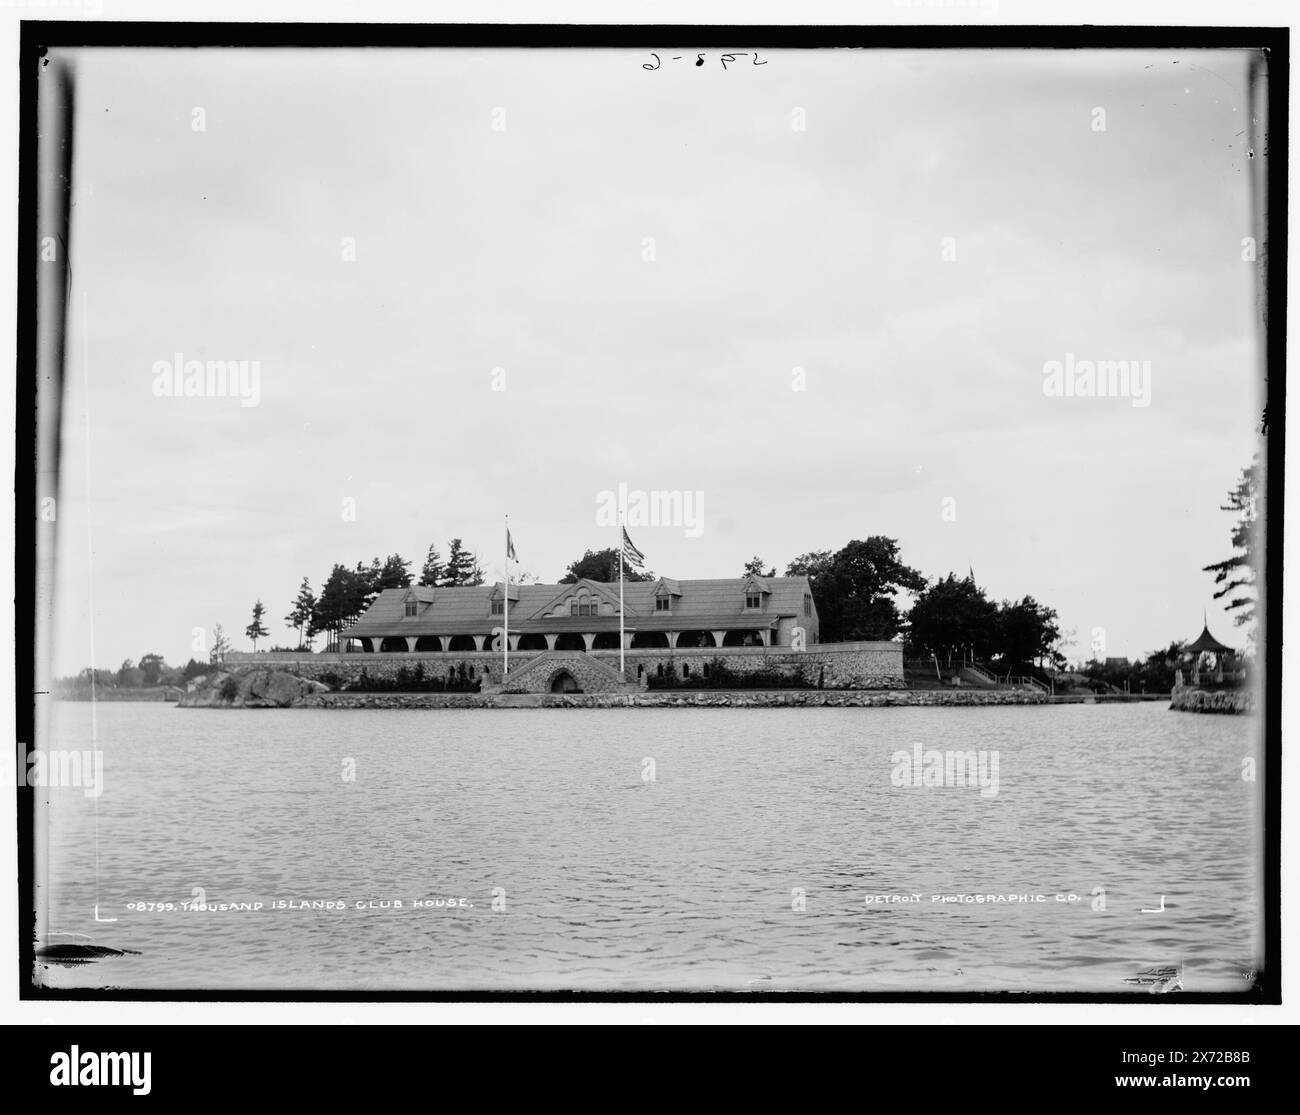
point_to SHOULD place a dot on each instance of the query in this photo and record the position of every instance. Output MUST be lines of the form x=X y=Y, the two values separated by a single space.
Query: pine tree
x=301 y=613
x=1239 y=574
x=462 y=567
x=255 y=630
x=432 y=571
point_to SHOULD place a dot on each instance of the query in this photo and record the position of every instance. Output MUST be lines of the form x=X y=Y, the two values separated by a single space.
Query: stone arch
x=605 y=640
x=561 y=681
x=462 y=643
x=650 y=640
x=532 y=641
x=737 y=638
x=392 y=644
x=428 y=642
x=570 y=641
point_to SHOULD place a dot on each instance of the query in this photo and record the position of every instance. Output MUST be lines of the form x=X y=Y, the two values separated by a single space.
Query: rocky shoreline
x=262 y=687
x=1230 y=701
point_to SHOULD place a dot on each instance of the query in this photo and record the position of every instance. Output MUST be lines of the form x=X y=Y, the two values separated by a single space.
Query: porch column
x=767 y=636
x=627 y=639
x=377 y=641
x=588 y=639
x=718 y=636
x=672 y=639
x=550 y=641
x=410 y=643
x=514 y=643
x=478 y=641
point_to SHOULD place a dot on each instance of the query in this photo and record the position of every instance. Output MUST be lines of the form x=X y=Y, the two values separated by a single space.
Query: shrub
x=229 y=689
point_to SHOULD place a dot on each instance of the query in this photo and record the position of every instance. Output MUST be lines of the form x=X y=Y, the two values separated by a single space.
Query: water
x=688 y=881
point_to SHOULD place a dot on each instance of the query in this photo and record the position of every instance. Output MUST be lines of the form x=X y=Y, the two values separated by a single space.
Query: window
x=498 y=607
x=412 y=608
x=807 y=604
x=573 y=607
x=753 y=600
x=661 y=603
x=586 y=609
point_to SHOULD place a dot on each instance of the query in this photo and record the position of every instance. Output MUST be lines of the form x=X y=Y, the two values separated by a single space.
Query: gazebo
x=1208 y=661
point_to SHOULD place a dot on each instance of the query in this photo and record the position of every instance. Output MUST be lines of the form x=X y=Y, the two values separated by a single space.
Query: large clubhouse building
x=665 y=614
x=565 y=639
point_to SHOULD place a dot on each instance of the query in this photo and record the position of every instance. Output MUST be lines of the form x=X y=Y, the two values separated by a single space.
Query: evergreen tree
x=300 y=614
x=255 y=630
x=394 y=573
x=1239 y=574
x=462 y=566
x=431 y=574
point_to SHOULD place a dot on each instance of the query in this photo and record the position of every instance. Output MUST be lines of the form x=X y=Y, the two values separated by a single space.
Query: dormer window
x=753 y=600
x=498 y=607
x=412 y=608
x=807 y=604
x=662 y=603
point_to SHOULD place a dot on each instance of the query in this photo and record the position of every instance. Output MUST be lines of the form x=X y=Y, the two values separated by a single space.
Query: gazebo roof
x=1207 y=643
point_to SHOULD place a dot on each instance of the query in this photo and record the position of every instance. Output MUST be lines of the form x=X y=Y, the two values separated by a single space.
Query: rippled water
x=690 y=880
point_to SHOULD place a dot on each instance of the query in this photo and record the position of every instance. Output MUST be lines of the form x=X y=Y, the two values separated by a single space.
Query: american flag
x=631 y=554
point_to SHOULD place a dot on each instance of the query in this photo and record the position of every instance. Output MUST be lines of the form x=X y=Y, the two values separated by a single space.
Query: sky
x=819 y=293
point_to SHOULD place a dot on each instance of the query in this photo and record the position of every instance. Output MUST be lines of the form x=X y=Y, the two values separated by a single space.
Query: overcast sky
x=648 y=255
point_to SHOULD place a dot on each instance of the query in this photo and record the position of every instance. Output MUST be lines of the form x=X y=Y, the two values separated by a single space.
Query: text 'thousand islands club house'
x=573 y=629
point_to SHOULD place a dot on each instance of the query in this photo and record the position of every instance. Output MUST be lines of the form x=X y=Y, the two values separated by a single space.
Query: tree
x=343 y=597
x=754 y=568
x=256 y=630
x=602 y=566
x=300 y=614
x=950 y=618
x=462 y=566
x=128 y=677
x=152 y=667
x=1026 y=632
x=855 y=588
x=1239 y=574
x=395 y=572
x=431 y=574
x=220 y=645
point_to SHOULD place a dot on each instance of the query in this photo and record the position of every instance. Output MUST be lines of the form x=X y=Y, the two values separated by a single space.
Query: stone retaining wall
x=797 y=698
x=830 y=665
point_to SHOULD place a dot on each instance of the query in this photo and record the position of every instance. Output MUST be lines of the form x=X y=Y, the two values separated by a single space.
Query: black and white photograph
x=576 y=511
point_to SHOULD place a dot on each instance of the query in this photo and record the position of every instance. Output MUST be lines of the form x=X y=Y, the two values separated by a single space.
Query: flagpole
x=505 y=627
x=620 y=598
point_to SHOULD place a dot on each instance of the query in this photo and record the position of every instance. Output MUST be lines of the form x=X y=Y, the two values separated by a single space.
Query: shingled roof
x=466 y=610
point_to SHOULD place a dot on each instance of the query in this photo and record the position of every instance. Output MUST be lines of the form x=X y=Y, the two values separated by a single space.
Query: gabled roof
x=709 y=604
x=754 y=583
x=602 y=591
x=422 y=593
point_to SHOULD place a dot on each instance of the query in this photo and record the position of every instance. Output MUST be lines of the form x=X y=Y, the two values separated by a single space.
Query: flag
x=510 y=546
x=631 y=554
